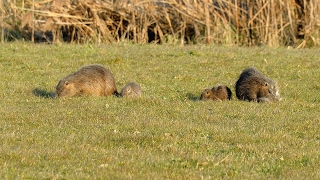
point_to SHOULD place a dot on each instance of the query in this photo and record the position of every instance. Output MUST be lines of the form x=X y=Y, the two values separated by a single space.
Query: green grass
x=166 y=134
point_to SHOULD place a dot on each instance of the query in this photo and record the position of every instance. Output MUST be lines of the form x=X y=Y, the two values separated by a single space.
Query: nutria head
x=206 y=94
x=274 y=92
x=65 y=89
x=131 y=89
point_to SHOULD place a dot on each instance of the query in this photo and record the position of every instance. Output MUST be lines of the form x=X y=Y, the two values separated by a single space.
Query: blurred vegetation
x=290 y=23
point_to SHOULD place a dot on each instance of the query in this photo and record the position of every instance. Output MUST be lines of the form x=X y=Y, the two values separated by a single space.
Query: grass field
x=168 y=133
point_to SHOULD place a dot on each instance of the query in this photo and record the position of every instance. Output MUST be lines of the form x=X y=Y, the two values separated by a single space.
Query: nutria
x=132 y=89
x=252 y=85
x=220 y=92
x=92 y=79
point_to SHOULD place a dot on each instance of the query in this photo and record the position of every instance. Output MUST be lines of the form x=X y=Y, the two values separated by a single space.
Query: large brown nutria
x=132 y=90
x=92 y=79
x=252 y=85
x=220 y=92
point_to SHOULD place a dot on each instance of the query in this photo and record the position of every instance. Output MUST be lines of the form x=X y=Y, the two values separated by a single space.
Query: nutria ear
x=219 y=88
x=129 y=89
x=66 y=83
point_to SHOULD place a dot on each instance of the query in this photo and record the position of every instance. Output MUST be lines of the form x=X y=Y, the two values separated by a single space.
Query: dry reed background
x=237 y=22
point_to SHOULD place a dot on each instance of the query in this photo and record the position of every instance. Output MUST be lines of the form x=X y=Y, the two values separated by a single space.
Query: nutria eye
x=66 y=83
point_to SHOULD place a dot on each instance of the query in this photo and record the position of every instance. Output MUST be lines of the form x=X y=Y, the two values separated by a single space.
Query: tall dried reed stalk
x=239 y=22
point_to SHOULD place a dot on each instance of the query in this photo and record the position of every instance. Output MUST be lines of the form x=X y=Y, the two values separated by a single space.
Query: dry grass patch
x=239 y=22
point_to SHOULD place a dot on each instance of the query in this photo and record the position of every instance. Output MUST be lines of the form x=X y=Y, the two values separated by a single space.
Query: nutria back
x=89 y=80
x=132 y=90
x=220 y=92
x=252 y=85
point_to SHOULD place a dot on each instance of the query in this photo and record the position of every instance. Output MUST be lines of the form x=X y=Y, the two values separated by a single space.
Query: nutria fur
x=220 y=92
x=92 y=79
x=132 y=89
x=252 y=85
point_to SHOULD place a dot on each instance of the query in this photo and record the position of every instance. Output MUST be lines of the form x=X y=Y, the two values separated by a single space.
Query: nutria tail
x=229 y=93
x=116 y=94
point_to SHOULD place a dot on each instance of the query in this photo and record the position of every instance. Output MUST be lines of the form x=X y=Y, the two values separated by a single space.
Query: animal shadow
x=43 y=93
x=192 y=97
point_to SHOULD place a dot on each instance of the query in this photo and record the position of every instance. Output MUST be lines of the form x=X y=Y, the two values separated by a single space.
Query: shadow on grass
x=192 y=97
x=43 y=93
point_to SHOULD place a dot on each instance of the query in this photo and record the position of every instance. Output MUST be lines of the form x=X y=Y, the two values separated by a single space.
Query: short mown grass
x=168 y=133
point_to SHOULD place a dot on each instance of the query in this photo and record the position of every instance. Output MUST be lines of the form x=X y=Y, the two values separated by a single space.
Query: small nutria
x=132 y=89
x=92 y=79
x=220 y=92
x=252 y=85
